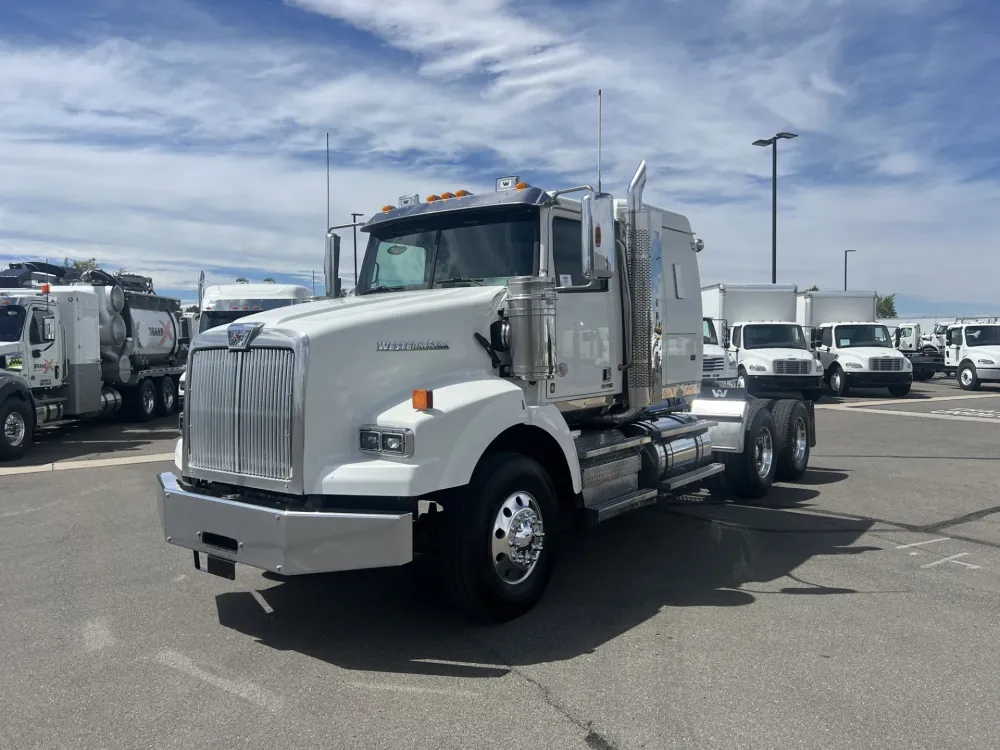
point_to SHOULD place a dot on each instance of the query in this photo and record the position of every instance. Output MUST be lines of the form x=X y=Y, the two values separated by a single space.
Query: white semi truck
x=77 y=347
x=492 y=379
x=772 y=354
x=220 y=304
x=972 y=351
x=856 y=351
x=718 y=363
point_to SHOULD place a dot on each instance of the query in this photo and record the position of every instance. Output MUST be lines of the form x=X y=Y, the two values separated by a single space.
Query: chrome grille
x=885 y=364
x=239 y=411
x=792 y=366
x=712 y=364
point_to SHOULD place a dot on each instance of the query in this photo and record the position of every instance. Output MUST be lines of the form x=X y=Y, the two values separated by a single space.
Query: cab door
x=953 y=350
x=45 y=356
x=588 y=318
x=826 y=353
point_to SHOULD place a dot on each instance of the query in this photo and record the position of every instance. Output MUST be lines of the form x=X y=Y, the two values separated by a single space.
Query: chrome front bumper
x=285 y=542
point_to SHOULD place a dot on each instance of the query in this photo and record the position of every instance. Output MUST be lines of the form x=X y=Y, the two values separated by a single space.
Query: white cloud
x=172 y=154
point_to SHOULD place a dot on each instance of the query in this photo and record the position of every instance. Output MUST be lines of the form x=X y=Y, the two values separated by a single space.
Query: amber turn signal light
x=423 y=399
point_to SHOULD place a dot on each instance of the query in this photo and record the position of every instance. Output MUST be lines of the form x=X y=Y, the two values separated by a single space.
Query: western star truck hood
x=366 y=354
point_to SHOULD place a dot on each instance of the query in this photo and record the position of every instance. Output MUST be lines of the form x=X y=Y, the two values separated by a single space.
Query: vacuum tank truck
x=78 y=346
x=500 y=383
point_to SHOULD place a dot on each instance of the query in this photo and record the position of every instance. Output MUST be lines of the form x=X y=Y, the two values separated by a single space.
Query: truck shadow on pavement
x=609 y=580
x=97 y=439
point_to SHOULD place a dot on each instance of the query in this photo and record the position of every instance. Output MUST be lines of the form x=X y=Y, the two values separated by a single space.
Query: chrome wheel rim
x=168 y=396
x=741 y=381
x=835 y=381
x=966 y=376
x=800 y=441
x=517 y=538
x=148 y=400
x=763 y=453
x=14 y=429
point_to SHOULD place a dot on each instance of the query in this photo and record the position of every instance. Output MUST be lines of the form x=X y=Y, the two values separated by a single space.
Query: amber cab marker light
x=521 y=186
x=432 y=198
x=386 y=209
x=446 y=196
x=461 y=193
x=423 y=399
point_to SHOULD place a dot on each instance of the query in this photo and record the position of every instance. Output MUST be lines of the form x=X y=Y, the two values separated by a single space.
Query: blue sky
x=173 y=136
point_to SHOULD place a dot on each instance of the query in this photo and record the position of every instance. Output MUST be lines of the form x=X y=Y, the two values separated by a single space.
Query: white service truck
x=856 y=351
x=492 y=380
x=925 y=359
x=972 y=351
x=772 y=354
x=76 y=347
x=221 y=304
x=718 y=364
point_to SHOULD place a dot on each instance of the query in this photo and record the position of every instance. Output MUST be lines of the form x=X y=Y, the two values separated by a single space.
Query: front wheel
x=968 y=380
x=16 y=426
x=499 y=540
x=750 y=474
x=838 y=383
x=898 y=391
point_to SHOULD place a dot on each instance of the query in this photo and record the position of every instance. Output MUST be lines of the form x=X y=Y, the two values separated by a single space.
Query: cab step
x=615 y=506
x=605 y=442
x=682 y=480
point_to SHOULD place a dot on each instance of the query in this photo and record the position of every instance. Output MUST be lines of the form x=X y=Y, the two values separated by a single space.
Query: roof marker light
x=462 y=193
x=386 y=209
x=446 y=196
x=432 y=198
x=521 y=185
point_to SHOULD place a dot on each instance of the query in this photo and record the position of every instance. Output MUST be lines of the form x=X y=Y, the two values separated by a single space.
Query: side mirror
x=331 y=265
x=49 y=329
x=815 y=338
x=597 y=226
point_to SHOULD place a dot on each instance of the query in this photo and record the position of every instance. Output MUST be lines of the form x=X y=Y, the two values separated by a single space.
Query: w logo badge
x=241 y=334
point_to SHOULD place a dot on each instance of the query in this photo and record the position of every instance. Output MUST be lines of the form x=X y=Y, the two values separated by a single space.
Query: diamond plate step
x=615 y=506
x=611 y=466
x=594 y=444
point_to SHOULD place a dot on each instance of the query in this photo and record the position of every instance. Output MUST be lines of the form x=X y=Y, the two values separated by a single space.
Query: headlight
x=907 y=365
x=393 y=441
x=819 y=365
x=757 y=368
x=853 y=365
x=985 y=362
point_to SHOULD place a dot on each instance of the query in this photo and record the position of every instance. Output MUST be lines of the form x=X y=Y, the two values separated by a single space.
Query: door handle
x=36 y=353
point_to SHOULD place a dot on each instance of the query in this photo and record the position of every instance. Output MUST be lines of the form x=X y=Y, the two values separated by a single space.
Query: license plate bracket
x=217 y=566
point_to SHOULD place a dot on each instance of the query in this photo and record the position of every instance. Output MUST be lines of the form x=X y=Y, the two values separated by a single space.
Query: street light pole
x=845 y=268
x=354 y=218
x=773 y=143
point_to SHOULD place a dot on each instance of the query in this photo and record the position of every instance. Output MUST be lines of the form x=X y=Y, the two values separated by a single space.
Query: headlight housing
x=386 y=441
x=853 y=365
x=757 y=368
x=985 y=362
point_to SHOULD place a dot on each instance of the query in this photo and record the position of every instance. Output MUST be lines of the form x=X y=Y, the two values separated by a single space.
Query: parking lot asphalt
x=856 y=608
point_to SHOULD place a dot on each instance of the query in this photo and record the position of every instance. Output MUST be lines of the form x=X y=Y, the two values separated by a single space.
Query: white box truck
x=475 y=397
x=972 y=351
x=718 y=365
x=856 y=351
x=772 y=354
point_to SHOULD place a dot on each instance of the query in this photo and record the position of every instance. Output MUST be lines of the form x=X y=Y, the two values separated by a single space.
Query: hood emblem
x=410 y=346
x=241 y=334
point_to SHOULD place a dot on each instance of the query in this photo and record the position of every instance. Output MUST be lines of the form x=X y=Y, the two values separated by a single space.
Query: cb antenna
x=599 y=124
x=327 y=228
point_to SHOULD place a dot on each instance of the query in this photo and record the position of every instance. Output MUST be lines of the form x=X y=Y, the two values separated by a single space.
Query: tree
x=885 y=306
x=813 y=288
x=80 y=265
x=191 y=309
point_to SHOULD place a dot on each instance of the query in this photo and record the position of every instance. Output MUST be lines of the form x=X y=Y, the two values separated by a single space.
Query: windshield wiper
x=458 y=280
x=383 y=288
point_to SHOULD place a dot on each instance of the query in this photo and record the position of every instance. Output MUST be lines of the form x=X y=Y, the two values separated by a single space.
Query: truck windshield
x=982 y=335
x=11 y=323
x=773 y=336
x=708 y=332
x=475 y=247
x=862 y=335
x=222 y=315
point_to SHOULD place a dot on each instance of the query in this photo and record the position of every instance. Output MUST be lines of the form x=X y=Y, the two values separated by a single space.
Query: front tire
x=499 y=538
x=17 y=426
x=968 y=380
x=791 y=419
x=750 y=474
x=898 y=391
x=838 y=383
